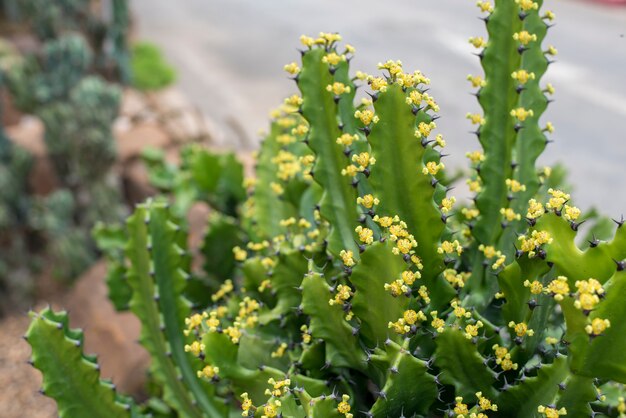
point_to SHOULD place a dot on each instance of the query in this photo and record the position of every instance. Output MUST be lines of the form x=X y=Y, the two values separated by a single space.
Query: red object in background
x=614 y=2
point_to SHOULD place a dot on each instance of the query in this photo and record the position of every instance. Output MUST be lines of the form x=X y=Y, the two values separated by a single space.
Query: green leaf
x=222 y=235
x=604 y=356
x=71 y=378
x=462 y=366
x=328 y=323
x=403 y=190
x=578 y=394
x=522 y=400
x=405 y=374
x=338 y=204
x=372 y=304
x=157 y=280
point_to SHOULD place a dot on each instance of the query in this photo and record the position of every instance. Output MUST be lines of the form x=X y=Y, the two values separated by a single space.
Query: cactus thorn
x=621 y=265
x=594 y=242
x=620 y=222
x=575 y=225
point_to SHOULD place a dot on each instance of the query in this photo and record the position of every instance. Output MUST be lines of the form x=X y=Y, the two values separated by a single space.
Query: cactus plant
x=361 y=290
x=105 y=31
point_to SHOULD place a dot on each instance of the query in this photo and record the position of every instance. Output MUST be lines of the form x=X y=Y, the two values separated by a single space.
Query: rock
x=131 y=142
x=168 y=100
x=133 y=103
x=136 y=183
x=29 y=134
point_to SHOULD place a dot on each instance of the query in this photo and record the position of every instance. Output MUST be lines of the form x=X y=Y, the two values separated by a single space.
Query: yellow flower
x=476 y=118
x=475 y=157
x=550 y=412
x=521 y=329
x=535 y=286
x=477 y=81
x=527 y=5
x=333 y=58
x=368 y=201
x=558 y=288
x=346 y=257
x=471 y=330
x=447 y=204
x=347 y=139
x=524 y=37
x=522 y=114
x=208 y=372
x=484 y=6
x=366 y=235
x=598 y=326
x=366 y=116
x=515 y=186
x=338 y=88
x=292 y=68
x=478 y=42
x=432 y=168
x=344 y=406
x=522 y=76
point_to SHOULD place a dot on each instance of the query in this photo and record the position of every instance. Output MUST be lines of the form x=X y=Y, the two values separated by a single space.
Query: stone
x=131 y=142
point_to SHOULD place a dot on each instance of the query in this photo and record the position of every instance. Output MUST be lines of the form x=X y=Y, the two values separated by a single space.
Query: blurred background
x=97 y=93
x=230 y=54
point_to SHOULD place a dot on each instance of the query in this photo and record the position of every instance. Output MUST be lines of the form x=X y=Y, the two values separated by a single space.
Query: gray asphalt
x=230 y=54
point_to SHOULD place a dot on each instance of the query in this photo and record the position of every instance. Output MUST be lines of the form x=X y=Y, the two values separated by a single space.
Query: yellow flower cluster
x=522 y=114
x=476 y=81
x=471 y=330
x=524 y=37
x=208 y=372
x=424 y=129
x=558 y=288
x=521 y=329
x=449 y=247
x=476 y=118
x=537 y=239
x=597 y=326
x=347 y=139
x=523 y=76
x=455 y=278
x=484 y=6
x=344 y=406
x=535 y=286
x=503 y=358
x=589 y=293
x=409 y=317
x=368 y=201
x=527 y=5
x=347 y=258
x=226 y=288
x=278 y=388
x=366 y=116
x=478 y=42
x=338 y=88
x=432 y=168
x=343 y=294
x=550 y=412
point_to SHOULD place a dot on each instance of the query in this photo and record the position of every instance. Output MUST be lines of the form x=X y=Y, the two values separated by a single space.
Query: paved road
x=230 y=55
